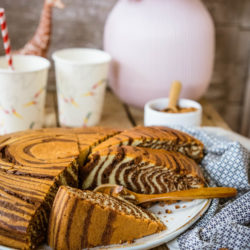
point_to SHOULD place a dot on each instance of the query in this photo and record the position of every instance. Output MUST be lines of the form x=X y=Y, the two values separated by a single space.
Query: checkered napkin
x=226 y=222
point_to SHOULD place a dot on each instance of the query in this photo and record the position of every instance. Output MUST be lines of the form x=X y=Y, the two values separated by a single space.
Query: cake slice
x=83 y=219
x=142 y=170
x=158 y=138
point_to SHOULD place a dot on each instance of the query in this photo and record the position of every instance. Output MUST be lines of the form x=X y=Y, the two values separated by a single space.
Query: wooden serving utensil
x=174 y=96
x=198 y=193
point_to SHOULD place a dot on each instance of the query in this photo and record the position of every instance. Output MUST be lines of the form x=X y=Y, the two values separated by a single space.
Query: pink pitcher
x=154 y=42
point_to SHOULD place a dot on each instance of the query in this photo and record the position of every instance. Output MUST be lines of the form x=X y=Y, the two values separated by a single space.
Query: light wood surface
x=117 y=114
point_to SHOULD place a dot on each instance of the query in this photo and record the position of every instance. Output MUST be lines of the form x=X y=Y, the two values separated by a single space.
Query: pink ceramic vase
x=154 y=42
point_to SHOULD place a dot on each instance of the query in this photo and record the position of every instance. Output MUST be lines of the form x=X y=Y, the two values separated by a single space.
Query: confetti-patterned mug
x=81 y=76
x=22 y=93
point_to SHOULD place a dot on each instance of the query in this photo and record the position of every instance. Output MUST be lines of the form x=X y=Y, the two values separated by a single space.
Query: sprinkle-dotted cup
x=81 y=76
x=153 y=116
x=22 y=93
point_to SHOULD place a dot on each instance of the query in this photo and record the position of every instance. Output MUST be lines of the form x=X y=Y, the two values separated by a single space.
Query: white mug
x=81 y=76
x=22 y=93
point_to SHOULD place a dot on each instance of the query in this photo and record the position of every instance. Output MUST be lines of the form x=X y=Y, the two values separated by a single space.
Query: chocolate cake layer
x=83 y=219
x=33 y=165
x=158 y=138
x=141 y=170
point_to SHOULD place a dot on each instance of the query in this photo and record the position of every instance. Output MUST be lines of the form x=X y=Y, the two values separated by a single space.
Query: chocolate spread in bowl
x=179 y=110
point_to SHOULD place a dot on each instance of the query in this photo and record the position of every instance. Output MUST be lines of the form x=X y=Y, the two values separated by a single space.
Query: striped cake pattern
x=142 y=170
x=34 y=164
x=84 y=219
x=157 y=138
x=32 y=167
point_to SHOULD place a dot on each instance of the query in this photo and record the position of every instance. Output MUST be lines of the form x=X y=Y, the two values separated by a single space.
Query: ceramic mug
x=22 y=93
x=81 y=76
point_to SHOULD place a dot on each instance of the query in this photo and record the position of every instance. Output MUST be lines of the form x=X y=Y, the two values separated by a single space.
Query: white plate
x=177 y=222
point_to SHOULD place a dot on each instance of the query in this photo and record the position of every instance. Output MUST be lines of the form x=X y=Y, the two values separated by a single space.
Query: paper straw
x=6 y=40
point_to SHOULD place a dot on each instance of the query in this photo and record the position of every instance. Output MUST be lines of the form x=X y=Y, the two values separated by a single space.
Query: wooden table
x=119 y=115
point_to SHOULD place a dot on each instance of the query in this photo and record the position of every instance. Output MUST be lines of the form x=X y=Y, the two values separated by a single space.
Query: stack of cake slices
x=34 y=164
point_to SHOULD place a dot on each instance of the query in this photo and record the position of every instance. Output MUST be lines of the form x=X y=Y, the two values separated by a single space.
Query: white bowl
x=154 y=117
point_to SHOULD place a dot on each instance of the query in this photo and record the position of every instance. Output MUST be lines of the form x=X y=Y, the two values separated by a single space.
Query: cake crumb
x=168 y=211
x=131 y=241
x=177 y=206
x=159 y=212
x=162 y=204
x=184 y=206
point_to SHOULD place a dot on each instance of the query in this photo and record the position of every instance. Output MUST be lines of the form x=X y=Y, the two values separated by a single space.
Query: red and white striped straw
x=6 y=40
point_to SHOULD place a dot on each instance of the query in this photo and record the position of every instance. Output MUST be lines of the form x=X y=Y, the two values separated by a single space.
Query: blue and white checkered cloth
x=226 y=222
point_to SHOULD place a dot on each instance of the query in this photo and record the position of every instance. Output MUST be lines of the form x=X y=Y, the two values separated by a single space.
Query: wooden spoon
x=198 y=193
x=174 y=96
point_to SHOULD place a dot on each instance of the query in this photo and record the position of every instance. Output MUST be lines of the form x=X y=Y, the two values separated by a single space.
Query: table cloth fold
x=226 y=222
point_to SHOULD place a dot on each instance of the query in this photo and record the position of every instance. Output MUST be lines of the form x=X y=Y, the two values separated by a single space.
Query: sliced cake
x=142 y=170
x=158 y=138
x=33 y=164
x=82 y=219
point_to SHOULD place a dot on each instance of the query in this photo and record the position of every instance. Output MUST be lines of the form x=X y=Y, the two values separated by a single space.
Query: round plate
x=182 y=216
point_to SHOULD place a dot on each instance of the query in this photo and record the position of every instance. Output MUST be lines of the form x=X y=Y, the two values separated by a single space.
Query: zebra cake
x=158 y=138
x=33 y=164
x=142 y=170
x=83 y=219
